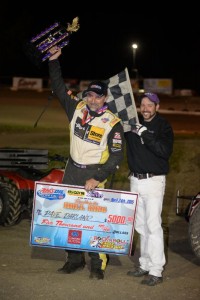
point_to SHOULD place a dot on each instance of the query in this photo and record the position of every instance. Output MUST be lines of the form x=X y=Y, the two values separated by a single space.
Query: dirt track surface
x=29 y=273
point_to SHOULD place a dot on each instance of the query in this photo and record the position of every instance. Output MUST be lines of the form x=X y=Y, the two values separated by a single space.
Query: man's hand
x=91 y=184
x=55 y=52
x=139 y=129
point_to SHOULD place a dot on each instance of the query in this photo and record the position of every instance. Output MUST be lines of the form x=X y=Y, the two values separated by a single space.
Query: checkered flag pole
x=121 y=100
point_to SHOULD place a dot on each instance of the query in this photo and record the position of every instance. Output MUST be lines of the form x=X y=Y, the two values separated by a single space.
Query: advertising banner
x=23 y=83
x=160 y=86
x=69 y=217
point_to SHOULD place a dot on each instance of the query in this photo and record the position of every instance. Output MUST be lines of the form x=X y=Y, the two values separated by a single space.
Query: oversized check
x=69 y=217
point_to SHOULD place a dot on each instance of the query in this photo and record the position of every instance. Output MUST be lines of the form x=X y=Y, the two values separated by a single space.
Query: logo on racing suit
x=117 y=135
x=96 y=134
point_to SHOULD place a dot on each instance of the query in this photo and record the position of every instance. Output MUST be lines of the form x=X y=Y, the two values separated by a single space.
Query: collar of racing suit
x=98 y=112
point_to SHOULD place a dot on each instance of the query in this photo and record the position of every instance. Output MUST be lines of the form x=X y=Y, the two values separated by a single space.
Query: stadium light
x=134 y=70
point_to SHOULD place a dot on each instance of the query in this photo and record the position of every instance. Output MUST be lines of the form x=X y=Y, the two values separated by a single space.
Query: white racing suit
x=96 y=148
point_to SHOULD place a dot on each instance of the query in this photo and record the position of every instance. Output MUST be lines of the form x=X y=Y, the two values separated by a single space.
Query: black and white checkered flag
x=121 y=100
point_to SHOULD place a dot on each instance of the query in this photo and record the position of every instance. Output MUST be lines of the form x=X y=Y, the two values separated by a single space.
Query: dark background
x=168 y=42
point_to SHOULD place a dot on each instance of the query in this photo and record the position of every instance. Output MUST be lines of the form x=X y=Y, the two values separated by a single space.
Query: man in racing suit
x=96 y=148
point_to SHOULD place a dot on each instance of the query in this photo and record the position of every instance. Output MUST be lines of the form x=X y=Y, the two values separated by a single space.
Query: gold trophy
x=38 y=47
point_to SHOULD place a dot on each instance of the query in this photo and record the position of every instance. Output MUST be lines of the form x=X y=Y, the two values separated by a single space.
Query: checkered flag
x=121 y=100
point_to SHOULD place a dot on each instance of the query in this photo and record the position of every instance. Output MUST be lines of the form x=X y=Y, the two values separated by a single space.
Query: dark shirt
x=150 y=153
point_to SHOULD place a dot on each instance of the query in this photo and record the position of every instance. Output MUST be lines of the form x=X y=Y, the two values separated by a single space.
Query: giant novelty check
x=69 y=217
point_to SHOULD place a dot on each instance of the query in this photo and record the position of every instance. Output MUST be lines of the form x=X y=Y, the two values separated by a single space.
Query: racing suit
x=148 y=161
x=96 y=148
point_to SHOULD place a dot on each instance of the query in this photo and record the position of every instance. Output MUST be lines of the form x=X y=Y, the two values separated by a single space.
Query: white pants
x=148 y=222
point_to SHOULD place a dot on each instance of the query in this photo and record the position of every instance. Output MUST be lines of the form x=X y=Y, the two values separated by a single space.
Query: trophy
x=56 y=35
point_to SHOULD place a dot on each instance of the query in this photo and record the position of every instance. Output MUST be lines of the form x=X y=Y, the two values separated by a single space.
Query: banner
x=23 y=83
x=158 y=85
x=69 y=217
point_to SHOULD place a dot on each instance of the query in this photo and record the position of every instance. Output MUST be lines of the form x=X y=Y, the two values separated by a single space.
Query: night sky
x=168 y=44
